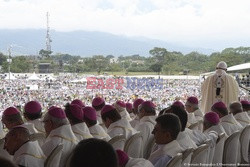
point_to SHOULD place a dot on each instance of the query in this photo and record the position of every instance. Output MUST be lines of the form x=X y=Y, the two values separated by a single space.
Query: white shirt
x=138 y=162
x=61 y=135
x=146 y=127
x=39 y=125
x=185 y=141
x=121 y=126
x=242 y=118
x=29 y=155
x=98 y=132
x=161 y=154
x=230 y=125
x=81 y=131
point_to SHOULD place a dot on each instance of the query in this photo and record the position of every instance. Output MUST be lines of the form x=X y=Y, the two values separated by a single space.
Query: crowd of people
x=82 y=122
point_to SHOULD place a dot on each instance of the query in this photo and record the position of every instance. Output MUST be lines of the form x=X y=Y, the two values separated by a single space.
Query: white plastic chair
x=134 y=146
x=175 y=161
x=186 y=157
x=219 y=148
x=231 y=146
x=54 y=156
x=147 y=150
x=118 y=142
x=244 y=144
x=200 y=155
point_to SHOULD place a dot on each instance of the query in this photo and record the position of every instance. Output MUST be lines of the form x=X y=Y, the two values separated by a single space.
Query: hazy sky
x=212 y=24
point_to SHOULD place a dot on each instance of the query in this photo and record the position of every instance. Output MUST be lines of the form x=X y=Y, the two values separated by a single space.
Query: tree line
x=160 y=61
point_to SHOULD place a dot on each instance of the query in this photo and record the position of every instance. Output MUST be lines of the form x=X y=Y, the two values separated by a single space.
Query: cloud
x=203 y=23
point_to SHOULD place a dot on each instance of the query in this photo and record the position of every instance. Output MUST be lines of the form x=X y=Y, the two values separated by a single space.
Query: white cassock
x=125 y=115
x=2 y=134
x=230 y=125
x=229 y=90
x=121 y=126
x=39 y=125
x=135 y=122
x=185 y=140
x=161 y=154
x=99 y=120
x=242 y=118
x=98 y=132
x=217 y=128
x=200 y=137
x=146 y=127
x=30 y=127
x=81 y=131
x=61 y=135
x=138 y=162
x=199 y=117
x=191 y=119
x=29 y=155
x=248 y=113
x=3 y=152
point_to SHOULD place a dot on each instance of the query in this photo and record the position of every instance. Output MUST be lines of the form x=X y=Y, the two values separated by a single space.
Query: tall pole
x=48 y=40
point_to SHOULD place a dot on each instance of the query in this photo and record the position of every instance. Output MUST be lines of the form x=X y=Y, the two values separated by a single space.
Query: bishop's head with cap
x=12 y=117
x=32 y=110
x=54 y=118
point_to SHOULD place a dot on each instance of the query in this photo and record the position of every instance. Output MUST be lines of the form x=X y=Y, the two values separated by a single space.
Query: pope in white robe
x=219 y=87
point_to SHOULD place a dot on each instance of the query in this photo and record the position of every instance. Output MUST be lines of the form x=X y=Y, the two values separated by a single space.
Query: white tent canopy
x=232 y=68
x=10 y=76
x=239 y=67
x=34 y=77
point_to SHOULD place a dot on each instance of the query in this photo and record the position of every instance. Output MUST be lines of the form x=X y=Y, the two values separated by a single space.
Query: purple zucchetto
x=192 y=100
x=129 y=106
x=32 y=107
x=178 y=104
x=76 y=111
x=10 y=111
x=136 y=103
x=212 y=117
x=219 y=105
x=90 y=113
x=97 y=101
x=122 y=157
x=57 y=112
x=78 y=102
x=107 y=108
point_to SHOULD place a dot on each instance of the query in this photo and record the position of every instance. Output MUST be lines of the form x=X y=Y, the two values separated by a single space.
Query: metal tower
x=48 y=39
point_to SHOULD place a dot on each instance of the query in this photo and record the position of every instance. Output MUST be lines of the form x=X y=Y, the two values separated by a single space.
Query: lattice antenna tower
x=48 y=39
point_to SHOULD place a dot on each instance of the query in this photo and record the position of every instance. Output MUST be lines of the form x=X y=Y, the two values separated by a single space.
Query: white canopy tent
x=10 y=76
x=34 y=77
x=239 y=67
x=232 y=68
